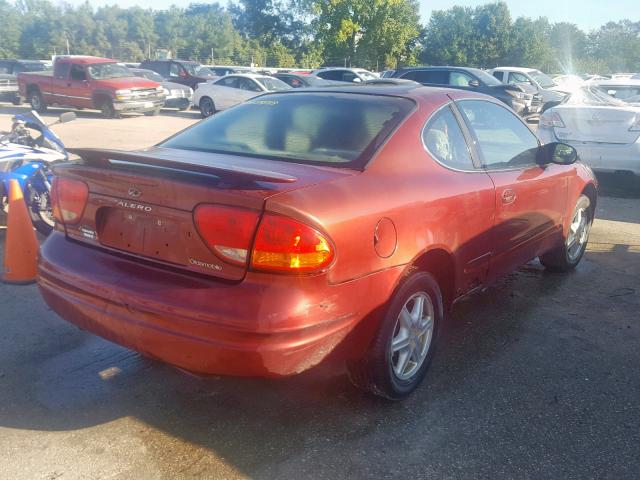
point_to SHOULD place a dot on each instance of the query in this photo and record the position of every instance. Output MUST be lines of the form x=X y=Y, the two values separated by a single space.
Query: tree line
x=374 y=34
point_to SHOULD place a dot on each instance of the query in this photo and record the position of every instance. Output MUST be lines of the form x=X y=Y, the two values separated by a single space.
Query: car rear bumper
x=266 y=325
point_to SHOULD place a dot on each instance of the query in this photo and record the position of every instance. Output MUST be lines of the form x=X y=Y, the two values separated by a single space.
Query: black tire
x=107 y=110
x=207 y=107
x=36 y=101
x=375 y=372
x=42 y=219
x=185 y=109
x=568 y=257
x=153 y=113
x=16 y=101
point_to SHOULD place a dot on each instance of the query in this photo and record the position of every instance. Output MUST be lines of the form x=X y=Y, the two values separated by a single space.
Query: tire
x=36 y=101
x=207 y=107
x=153 y=113
x=185 y=109
x=381 y=370
x=16 y=101
x=569 y=255
x=107 y=110
x=42 y=219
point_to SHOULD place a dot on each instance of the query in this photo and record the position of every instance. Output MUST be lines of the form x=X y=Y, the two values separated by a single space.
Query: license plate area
x=164 y=238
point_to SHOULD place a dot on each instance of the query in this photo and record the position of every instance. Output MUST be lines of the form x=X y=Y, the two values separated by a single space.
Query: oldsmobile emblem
x=134 y=192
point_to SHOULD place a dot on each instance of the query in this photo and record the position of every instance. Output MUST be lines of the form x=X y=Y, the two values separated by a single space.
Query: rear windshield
x=338 y=129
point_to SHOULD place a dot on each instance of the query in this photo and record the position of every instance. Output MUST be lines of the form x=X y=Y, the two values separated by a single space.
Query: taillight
x=227 y=230
x=68 y=199
x=551 y=119
x=286 y=245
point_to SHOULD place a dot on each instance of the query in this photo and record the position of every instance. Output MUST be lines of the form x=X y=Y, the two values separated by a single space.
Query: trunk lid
x=142 y=203
x=597 y=124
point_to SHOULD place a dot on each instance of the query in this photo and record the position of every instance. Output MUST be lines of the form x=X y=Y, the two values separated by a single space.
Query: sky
x=587 y=14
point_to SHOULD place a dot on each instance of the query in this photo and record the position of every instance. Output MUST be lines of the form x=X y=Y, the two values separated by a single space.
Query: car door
x=79 y=87
x=224 y=92
x=57 y=93
x=530 y=199
x=177 y=73
x=465 y=187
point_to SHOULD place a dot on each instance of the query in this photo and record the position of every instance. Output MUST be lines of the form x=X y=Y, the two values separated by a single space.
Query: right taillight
x=285 y=245
x=68 y=199
x=551 y=119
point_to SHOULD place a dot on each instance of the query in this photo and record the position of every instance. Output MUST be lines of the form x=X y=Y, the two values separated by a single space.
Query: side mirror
x=474 y=83
x=67 y=117
x=357 y=80
x=559 y=153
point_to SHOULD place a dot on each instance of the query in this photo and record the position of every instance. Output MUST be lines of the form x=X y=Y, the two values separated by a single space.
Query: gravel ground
x=534 y=378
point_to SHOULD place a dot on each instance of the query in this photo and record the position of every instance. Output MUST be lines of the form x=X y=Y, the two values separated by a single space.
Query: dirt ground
x=536 y=377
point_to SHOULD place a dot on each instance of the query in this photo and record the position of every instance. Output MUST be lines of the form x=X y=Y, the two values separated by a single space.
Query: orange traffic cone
x=20 y=245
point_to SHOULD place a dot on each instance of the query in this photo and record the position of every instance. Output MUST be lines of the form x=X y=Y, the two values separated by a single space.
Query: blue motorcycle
x=27 y=153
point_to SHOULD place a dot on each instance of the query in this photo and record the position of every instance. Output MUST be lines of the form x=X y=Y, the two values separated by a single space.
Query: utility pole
x=67 y=44
x=212 y=62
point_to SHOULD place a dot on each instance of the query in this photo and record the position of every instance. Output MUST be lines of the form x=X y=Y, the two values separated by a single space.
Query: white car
x=604 y=130
x=230 y=90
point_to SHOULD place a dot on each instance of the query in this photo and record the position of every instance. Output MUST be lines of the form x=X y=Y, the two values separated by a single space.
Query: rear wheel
x=569 y=255
x=207 y=107
x=399 y=357
x=37 y=102
x=153 y=113
x=39 y=204
x=16 y=101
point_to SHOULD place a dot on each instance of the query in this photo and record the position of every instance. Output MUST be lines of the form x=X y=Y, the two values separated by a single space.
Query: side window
x=349 y=77
x=503 y=140
x=516 y=77
x=248 y=84
x=331 y=75
x=175 y=69
x=231 y=82
x=459 y=79
x=444 y=140
x=499 y=76
x=5 y=67
x=433 y=77
x=161 y=67
x=78 y=73
x=61 y=70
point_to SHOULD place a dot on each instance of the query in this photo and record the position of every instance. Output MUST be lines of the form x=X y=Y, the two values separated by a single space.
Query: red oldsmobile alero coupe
x=259 y=240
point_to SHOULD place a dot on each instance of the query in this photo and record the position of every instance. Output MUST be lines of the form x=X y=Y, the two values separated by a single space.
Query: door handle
x=508 y=196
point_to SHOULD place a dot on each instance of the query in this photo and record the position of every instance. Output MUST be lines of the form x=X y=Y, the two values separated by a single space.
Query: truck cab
x=91 y=82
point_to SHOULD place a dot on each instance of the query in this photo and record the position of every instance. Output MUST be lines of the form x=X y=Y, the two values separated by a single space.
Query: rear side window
x=504 y=141
x=434 y=77
x=332 y=75
x=459 y=79
x=316 y=128
x=231 y=82
x=499 y=75
x=5 y=67
x=61 y=70
x=443 y=138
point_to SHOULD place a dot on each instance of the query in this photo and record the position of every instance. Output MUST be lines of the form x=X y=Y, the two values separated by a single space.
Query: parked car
x=9 y=70
x=349 y=75
x=299 y=81
x=551 y=95
x=604 y=130
x=180 y=71
x=627 y=89
x=91 y=82
x=176 y=95
x=312 y=221
x=231 y=90
x=471 y=79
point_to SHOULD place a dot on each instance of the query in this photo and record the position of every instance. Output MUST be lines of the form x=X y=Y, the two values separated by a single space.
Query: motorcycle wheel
x=41 y=215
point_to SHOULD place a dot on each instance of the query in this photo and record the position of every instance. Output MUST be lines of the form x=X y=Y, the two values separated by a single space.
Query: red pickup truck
x=91 y=82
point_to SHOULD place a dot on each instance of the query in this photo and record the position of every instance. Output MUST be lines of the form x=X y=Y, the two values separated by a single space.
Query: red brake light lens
x=68 y=199
x=286 y=245
x=227 y=230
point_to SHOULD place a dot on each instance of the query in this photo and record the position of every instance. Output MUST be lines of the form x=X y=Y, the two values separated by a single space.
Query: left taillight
x=68 y=199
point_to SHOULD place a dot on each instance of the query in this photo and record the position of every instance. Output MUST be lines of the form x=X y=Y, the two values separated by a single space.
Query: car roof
x=85 y=59
x=257 y=76
x=514 y=69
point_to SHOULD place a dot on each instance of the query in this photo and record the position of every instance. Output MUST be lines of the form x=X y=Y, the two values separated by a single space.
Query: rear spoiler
x=108 y=159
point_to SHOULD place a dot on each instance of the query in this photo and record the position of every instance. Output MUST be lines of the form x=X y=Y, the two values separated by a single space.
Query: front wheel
x=39 y=204
x=107 y=110
x=207 y=107
x=399 y=357
x=153 y=113
x=569 y=255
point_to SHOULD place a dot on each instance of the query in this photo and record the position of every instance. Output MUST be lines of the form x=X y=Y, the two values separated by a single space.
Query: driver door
x=79 y=88
x=530 y=198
